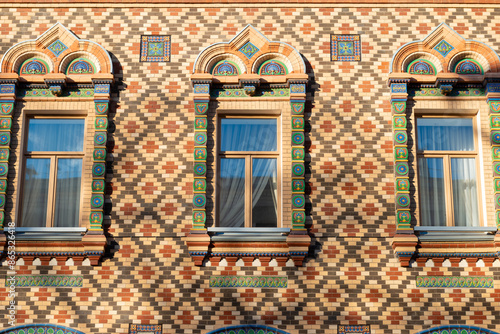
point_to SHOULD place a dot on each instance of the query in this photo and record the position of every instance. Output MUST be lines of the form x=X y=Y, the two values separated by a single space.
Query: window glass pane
x=248 y=134
x=67 y=207
x=232 y=193
x=55 y=135
x=432 y=197
x=465 y=201
x=264 y=193
x=35 y=192
x=445 y=134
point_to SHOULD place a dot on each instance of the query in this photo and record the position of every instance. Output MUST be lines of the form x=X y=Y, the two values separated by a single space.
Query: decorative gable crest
x=53 y=52
x=248 y=51
x=444 y=48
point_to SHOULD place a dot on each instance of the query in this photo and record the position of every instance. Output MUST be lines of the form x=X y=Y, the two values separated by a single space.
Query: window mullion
x=448 y=191
x=248 y=191
x=52 y=191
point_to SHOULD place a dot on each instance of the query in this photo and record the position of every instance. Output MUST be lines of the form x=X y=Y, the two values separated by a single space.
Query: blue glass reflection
x=50 y=135
x=249 y=134
x=445 y=134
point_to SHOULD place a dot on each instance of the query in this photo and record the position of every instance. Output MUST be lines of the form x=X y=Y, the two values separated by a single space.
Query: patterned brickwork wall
x=351 y=276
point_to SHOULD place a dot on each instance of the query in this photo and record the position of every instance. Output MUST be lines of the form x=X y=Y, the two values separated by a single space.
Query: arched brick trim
x=458 y=44
x=225 y=56
x=289 y=55
x=257 y=329
x=450 y=329
x=45 y=327
x=44 y=48
x=422 y=55
x=469 y=55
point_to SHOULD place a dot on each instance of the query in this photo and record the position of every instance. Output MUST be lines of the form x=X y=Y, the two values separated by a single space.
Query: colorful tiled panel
x=248 y=329
x=455 y=282
x=145 y=329
x=443 y=48
x=155 y=48
x=48 y=280
x=248 y=282
x=57 y=48
x=40 y=329
x=249 y=50
x=354 y=329
x=346 y=48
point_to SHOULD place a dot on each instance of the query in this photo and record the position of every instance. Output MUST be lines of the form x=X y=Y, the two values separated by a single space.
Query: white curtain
x=431 y=188
x=465 y=201
x=232 y=193
x=35 y=193
x=265 y=185
x=67 y=206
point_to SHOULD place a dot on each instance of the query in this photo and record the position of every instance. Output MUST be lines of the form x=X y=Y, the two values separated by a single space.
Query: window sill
x=247 y=244
x=50 y=233
x=248 y=234
x=455 y=233
x=440 y=243
x=59 y=243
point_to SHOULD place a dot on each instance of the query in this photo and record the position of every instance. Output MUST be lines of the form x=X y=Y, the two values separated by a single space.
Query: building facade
x=250 y=167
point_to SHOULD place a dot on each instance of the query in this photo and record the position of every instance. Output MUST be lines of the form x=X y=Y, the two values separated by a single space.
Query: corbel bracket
x=445 y=85
x=250 y=86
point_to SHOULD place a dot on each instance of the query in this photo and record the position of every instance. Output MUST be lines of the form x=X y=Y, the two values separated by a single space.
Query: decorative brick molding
x=58 y=66
x=442 y=65
x=249 y=67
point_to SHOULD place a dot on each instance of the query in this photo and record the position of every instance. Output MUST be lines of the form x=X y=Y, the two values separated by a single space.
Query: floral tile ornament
x=354 y=329
x=57 y=48
x=155 y=49
x=345 y=48
x=249 y=50
x=443 y=48
x=145 y=329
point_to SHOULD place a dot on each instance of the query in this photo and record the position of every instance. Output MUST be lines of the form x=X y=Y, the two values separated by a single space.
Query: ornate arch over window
x=66 y=80
x=457 y=329
x=40 y=328
x=445 y=88
x=255 y=86
x=250 y=329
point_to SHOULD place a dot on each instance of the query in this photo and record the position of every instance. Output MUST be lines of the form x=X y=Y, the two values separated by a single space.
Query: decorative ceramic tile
x=354 y=329
x=455 y=282
x=346 y=48
x=145 y=329
x=155 y=48
x=249 y=50
x=248 y=282
x=48 y=280
x=57 y=47
x=443 y=48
